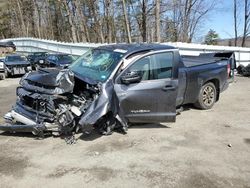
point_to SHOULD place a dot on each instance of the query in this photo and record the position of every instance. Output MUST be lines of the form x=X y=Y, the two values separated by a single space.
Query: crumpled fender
x=106 y=102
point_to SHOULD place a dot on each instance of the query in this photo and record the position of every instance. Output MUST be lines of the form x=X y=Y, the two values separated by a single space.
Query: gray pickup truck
x=113 y=86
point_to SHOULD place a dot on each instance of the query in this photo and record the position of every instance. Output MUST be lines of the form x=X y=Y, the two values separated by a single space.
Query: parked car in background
x=2 y=74
x=7 y=48
x=16 y=65
x=58 y=60
x=37 y=58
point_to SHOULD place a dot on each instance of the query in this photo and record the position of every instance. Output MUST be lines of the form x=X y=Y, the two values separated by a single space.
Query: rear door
x=153 y=99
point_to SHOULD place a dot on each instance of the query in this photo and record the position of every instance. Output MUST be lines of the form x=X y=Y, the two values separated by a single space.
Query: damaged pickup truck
x=112 y=86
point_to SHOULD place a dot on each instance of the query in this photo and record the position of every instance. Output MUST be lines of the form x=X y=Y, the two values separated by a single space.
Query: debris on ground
x=244 y=70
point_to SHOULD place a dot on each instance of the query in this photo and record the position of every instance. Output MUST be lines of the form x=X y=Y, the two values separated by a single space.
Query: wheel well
x=216 y=83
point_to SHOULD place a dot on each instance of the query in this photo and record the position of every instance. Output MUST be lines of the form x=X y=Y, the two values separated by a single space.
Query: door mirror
x=131 y=77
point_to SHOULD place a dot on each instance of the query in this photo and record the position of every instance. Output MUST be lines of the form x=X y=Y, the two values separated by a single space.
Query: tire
x=2 y=76
x=6 y=74
x=207 y=96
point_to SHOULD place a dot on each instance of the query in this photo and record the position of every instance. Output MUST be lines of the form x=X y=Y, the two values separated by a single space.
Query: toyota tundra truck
x=113 y=86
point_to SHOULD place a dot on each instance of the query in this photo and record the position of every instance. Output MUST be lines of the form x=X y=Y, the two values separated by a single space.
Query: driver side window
x=142 y=66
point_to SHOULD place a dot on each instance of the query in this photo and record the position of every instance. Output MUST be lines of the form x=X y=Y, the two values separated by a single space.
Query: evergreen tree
x=211 y=38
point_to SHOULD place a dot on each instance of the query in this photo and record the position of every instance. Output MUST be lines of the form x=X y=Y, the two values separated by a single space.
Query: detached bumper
x=16 y=122
x=35 y=129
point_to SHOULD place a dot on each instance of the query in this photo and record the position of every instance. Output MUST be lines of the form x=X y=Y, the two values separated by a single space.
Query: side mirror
x=131 y=77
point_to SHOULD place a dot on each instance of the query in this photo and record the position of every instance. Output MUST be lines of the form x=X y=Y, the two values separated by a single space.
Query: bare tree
x=246 y=22
x=105 y=20
x=193 y=12
x=157 y=20
x=70 y=16
x=235 y=23
x=126 y=21
x=20 y=13
x=94 y=8
x=82 y=21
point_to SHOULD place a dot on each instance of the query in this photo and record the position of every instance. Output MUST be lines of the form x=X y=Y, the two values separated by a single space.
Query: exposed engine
x=53 y=98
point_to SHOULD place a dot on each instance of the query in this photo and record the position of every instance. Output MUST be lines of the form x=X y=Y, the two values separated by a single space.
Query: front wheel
x=2 y=76
x=6 y=73
x=207 y=96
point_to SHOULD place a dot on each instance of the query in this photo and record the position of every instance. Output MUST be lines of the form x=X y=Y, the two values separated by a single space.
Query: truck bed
x=197 y=61
x=205 y=58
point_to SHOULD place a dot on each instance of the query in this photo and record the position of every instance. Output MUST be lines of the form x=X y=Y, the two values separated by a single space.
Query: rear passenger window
x=162 y=65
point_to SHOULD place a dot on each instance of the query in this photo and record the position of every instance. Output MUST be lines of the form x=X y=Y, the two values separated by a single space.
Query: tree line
x=104 y=21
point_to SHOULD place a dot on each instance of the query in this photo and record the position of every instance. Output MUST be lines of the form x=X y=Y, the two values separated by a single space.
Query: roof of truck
x=136 y=47
x=58 y=54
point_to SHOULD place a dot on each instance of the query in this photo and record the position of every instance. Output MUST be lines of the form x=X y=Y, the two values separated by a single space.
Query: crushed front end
x=56 y=101
x=46 y=102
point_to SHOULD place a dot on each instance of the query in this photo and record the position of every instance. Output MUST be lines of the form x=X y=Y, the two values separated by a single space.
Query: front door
x=153 y=99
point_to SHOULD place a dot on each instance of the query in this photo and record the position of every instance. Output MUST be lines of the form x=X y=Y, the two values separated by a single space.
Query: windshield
x=96 y=64
x=64 y=59
x=40 y=54
x=15 y=58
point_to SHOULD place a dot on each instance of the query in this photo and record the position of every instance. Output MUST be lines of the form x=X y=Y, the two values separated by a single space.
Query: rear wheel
x=207 y=96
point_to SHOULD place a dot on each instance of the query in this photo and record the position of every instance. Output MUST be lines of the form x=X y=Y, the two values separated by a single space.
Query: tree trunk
x=126 y=21
x=21 y=16
x=157 y=21
x=71 y=21
x=186 y=20
x=235 y=23
x=82 y=22
x=113 y=22
x=49 y=32
x=38 y=23
x=108 y=12
x=144 y=21
x=97 y=20
x=246 y=17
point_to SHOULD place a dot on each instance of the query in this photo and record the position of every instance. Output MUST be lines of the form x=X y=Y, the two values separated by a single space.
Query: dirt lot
x=193 y=152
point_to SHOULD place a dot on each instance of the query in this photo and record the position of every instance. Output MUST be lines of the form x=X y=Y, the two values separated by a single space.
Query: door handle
x=168 y=87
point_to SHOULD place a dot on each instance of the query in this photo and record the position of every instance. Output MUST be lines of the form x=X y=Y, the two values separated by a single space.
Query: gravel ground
x=202 y=149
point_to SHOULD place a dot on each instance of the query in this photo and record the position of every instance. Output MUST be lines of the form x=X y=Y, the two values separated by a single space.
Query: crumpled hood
x=50 y=81
x=47 y=77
